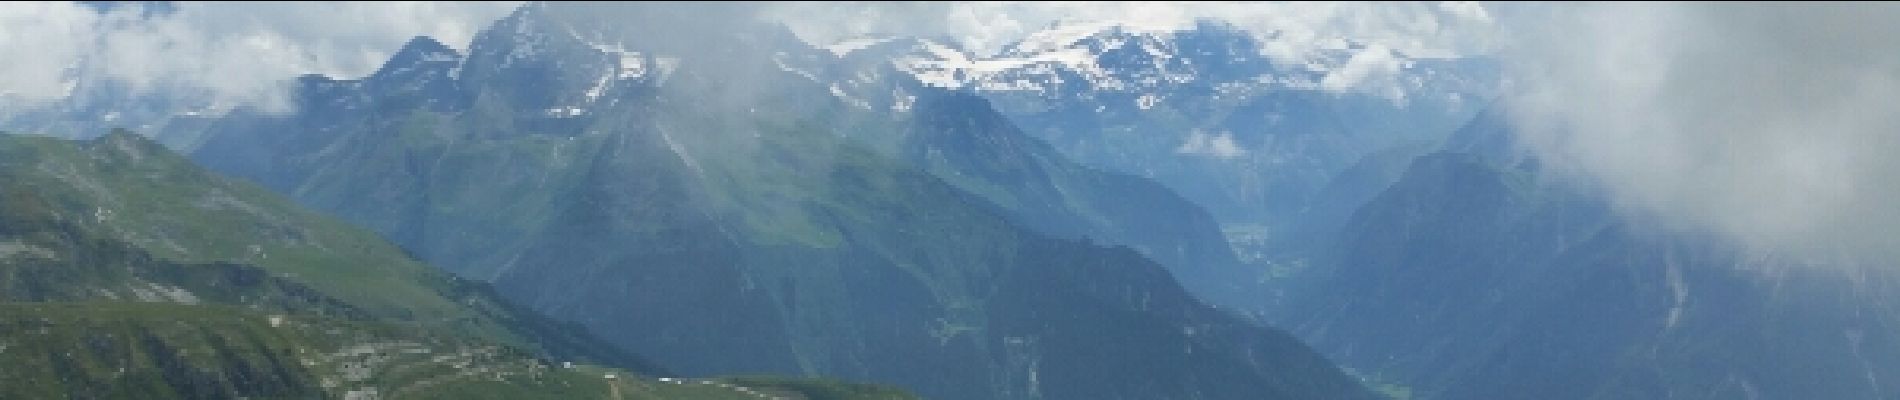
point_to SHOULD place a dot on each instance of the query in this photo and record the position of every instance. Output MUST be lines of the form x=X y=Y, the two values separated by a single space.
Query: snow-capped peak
x=1148 y=61
x=840 y=49
x=1096 y=56
x=1056 y=38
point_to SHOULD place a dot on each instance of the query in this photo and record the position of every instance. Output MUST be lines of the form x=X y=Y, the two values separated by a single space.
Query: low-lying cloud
x=1775 y=124
x=1220 y=145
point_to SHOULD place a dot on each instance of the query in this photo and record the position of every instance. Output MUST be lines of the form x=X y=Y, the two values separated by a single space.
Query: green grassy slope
x=126 y=272
x=124 y=188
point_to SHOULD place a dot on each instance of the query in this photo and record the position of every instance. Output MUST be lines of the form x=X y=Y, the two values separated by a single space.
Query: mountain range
x=741 y=202
x=1097 y=210
x=1204 y=111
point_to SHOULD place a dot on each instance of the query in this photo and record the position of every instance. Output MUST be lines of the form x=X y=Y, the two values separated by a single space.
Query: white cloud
x=1467 y=11
x=1376 y=67
x=42 y=40
x=1220 y=145
x=1772 y=124
x=237 y=52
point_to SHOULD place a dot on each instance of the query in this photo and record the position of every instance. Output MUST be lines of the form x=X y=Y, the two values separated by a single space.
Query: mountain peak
x=133 y=149
x=423 y=67
x=424 y=44
x=1068 y=56
x=419 y=51
x=124 y=138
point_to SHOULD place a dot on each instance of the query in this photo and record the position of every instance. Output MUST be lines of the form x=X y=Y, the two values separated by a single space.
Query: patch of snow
x=780 y=60
x=854 y=102
x=600 y=87
x=1031 y=65
x=846 y=47
x=402 y=70
x=629 y=64
x=625 y=65
x=440 y=57
x=946 y=54
x=939 y=66
x=1067 y=56
x=681 y=152
x=900 y=101
x=527 y=43
x=664 y=67
x=1057 y=37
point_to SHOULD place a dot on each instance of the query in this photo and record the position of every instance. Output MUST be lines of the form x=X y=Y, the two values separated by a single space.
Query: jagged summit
x=1096 y=56
x=421 y=52
x=424 y=43
x=1116 y=56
